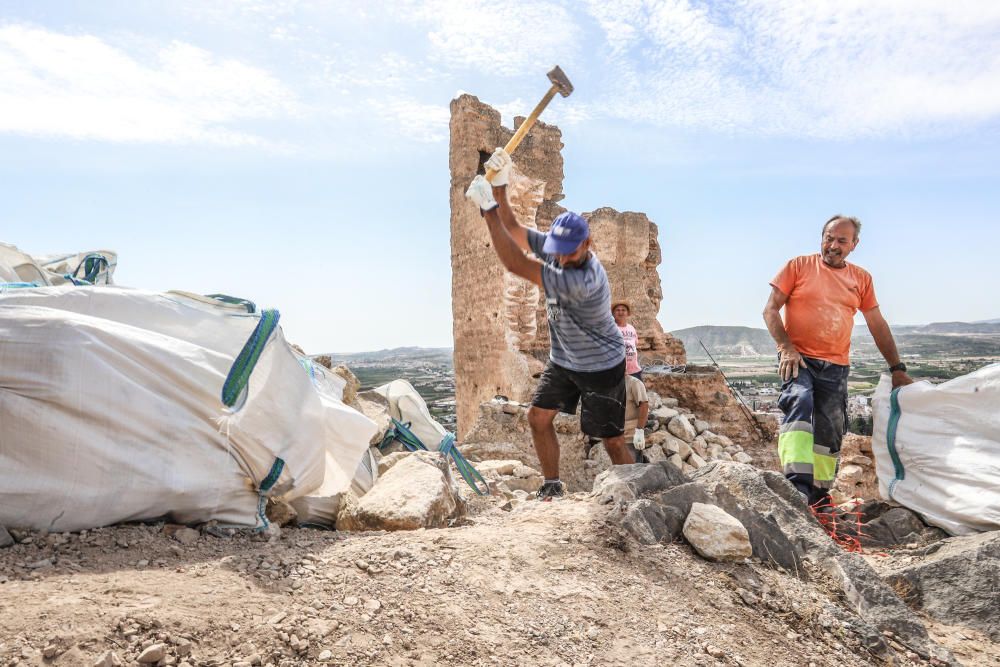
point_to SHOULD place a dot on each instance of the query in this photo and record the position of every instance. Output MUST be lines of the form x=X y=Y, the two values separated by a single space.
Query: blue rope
x=404 y=435
x=92 y=265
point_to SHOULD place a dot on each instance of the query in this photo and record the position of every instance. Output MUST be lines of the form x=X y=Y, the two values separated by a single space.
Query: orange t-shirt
x=822 y=301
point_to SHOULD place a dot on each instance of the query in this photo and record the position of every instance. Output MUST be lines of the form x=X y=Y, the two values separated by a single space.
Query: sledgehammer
x=561 y=85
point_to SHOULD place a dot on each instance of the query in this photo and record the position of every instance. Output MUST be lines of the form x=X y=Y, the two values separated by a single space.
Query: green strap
x=890 y=439
x=272 y=477
x=239 y=374
x=235 y=301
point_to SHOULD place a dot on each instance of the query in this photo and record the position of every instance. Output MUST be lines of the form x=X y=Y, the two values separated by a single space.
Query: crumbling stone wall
x=499 y=322
x=703 y=390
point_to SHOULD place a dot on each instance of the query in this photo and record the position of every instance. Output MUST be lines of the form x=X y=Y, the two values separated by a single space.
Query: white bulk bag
x=110 y=411
x=408 y=406
x=937 y=449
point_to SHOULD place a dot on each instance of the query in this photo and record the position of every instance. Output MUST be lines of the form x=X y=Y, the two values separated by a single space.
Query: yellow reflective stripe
x=795 y=447
x=824 y=468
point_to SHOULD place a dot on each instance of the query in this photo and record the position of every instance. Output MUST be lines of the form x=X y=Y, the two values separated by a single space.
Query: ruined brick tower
x=500 y=331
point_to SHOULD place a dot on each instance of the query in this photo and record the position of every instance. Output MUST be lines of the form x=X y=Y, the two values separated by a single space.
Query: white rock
x=700 y=447
x=716 y=535
x=742 y=457
x=696 y=461
x=664 y=414
x=417 y=492
x=152 y=654
x=681 y=427
x=108 y=659
x=677 y=461
x=701 y=425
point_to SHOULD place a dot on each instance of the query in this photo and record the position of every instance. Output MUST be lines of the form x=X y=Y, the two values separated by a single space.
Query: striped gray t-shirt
x=582 y=332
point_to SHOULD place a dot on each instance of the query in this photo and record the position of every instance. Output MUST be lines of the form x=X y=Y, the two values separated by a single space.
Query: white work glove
x=639 y=439
x=481 y=192
x=501 y=163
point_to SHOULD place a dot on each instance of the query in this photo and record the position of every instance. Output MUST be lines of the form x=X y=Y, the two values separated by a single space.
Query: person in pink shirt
x=621 y=312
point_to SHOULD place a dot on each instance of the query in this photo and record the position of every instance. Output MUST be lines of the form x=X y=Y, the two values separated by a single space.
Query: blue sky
x=296 y=153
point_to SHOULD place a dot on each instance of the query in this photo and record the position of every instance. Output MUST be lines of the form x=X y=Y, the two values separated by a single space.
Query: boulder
x=957 y=583
x=771 y=495
x=680 y=427
x=670 y=402
x=626 y=483
x=700 y=425
x=742 y=457
x=716 y=535
x=352 y=386
x=700 y=447
x=417 y=492
x=674 y=445
x=696 y=461
x=644 y=520
x=5 y=539
x=389 y=460
x=676 y=461
x=664 y=414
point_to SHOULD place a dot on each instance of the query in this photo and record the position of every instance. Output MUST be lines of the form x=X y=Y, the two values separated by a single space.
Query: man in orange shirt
x=820 y=294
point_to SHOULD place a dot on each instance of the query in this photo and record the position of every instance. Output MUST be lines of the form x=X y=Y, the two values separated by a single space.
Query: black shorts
x=603 y=392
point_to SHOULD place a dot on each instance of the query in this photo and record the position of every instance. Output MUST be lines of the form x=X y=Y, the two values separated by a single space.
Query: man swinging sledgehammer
x=587 y=352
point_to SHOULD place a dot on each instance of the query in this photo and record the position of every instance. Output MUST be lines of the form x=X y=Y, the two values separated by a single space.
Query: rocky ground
x=541 y=584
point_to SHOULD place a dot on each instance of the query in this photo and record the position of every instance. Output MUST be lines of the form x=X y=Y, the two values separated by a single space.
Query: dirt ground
x=544 y=584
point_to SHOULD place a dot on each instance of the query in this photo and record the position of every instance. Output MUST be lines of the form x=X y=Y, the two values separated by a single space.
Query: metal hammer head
x=560 y=81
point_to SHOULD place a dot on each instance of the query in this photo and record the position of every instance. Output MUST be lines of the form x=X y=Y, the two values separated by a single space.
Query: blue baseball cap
x=566 y=234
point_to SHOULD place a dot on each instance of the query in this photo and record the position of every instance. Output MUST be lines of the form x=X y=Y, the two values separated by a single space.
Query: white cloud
x=413 y=119
x=502 y=38
x=82 y=87
x=829 y=69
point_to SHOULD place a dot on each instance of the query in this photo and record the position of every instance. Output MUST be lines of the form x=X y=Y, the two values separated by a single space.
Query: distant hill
x=990 y=327
x=726 y=341
x=430 y=354
x=939 y=338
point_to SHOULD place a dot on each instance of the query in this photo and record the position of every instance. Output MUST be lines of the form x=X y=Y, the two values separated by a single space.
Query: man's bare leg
x=543 y=435
x=616 y=449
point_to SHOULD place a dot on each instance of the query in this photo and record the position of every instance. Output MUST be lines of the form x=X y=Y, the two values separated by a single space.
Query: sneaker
x=549 y=491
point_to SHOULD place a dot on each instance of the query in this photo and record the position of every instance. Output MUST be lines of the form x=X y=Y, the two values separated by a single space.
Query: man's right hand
x=480 y=192
x=789 y=363
x=501 y=163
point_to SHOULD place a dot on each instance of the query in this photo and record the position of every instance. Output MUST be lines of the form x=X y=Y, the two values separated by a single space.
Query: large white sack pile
x=937 y=449
x=111 y=410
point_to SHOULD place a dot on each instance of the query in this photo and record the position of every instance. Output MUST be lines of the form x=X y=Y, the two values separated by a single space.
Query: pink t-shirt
x=631 y=352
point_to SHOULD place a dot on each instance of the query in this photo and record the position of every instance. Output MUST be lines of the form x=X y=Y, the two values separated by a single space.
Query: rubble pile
x=676 y=434
x=856 y=476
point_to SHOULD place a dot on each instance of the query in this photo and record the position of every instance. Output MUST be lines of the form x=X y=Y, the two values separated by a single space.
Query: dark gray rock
x=5 y=539
x=898 y=525
x=958 y=583
x=674 y=475
x=772 y=496
x=625 y=483
x=766 y=537
x=644 y=520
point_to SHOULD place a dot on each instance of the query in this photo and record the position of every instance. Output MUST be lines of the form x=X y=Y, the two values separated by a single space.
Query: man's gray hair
x=851 y=219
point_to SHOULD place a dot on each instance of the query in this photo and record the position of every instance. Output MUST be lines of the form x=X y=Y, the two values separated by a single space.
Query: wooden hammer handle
x=525 y=127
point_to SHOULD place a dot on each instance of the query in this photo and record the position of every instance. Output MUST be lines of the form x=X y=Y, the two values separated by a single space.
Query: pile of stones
x=675 y=434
